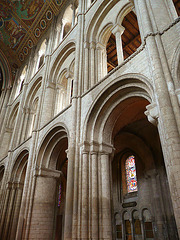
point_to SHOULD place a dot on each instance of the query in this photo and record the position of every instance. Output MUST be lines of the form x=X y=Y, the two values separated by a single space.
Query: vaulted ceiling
x=22 y=24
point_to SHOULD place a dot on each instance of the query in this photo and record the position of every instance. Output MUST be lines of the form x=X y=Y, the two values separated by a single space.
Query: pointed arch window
x=131 y=178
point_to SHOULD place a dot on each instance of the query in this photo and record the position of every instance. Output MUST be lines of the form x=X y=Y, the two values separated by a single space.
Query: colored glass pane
x=59 y=195
x=131 y=178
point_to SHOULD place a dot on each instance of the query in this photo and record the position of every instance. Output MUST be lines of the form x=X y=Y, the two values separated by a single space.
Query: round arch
x=96 y=127
x=68 y=49
x=51 y=179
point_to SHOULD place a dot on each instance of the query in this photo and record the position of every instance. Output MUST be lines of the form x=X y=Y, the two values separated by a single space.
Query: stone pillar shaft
x=95 y=209
x=105 y=201
x=168 y=119
x=92 y=74
x=84 y=216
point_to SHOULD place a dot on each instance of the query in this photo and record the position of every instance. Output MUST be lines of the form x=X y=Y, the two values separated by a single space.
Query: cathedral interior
x=89 y=119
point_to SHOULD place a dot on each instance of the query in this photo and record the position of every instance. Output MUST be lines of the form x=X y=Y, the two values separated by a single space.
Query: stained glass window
x=59 y=195
x=131 y=178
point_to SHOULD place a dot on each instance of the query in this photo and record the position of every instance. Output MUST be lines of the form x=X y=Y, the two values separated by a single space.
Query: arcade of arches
x=90 y=124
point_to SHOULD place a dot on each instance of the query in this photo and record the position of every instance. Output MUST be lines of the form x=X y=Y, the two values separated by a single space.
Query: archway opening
x=50 y=190
x=138 y=175
x=14 y=196
x=123 y=41
x=112 y=61
x=131 y=39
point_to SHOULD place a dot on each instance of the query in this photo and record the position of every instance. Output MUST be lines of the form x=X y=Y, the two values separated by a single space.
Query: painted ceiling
x=22 y=23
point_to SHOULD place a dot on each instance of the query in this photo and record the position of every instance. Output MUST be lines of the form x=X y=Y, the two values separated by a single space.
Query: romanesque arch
x=50 y=189
x=8 y=131
x=13 y=197
x=30 y=109
x=118 y=130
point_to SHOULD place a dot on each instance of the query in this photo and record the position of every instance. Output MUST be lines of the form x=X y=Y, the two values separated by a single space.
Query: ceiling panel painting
x=22 y=24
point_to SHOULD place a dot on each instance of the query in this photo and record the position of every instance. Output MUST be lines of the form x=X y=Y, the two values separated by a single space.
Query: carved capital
x=118 y=29
x=152 y=113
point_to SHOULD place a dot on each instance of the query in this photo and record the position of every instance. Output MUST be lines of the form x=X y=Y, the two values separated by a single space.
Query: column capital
x=86 y=44
x=152 y=113
x=51 y=85
x=118 y=29
x=47 y=172
x=69 y=74
x=92 y=45
x=64 y=21
x=100 y=46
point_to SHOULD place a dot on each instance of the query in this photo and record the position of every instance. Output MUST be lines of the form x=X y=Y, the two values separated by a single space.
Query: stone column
x=47 y=110
x=159 y=218
x=9 y=211
x=85 y=206
x=95 y=208
x=92 y=73
x=100 y=61
x=42 y=220
x=168 y=122
x=69 y=193
x=19 y=189
x=3 y=216
x=132 y=229
x=62 y=29
x=106 y=227
x=69 y=77
x=118 y=31
x=86 y=66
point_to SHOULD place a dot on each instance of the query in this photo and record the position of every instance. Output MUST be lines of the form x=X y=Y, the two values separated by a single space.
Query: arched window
x=148 y=226
x=131 y=178
x=21 y=81
x=123 y=42
x=41 y=54
x=131 y=39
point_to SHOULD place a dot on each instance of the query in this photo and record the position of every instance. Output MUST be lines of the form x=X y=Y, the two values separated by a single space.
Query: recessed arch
x=110 y=98
x=15 y=187
x=49 y=145
x=61 y=57
x=52 y=168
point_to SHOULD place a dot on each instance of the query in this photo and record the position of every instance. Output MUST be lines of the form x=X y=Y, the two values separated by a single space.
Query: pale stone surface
x=70 y=108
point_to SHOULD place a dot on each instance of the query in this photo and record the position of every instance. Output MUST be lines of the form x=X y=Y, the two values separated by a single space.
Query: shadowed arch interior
x=52 y=160
x=15 y=186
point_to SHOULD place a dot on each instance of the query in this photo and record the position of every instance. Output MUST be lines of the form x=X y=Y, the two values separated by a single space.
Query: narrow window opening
x=131 y=179
x=67 y=28
x=112 y=61
x=41 y=61
x=148 y=226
